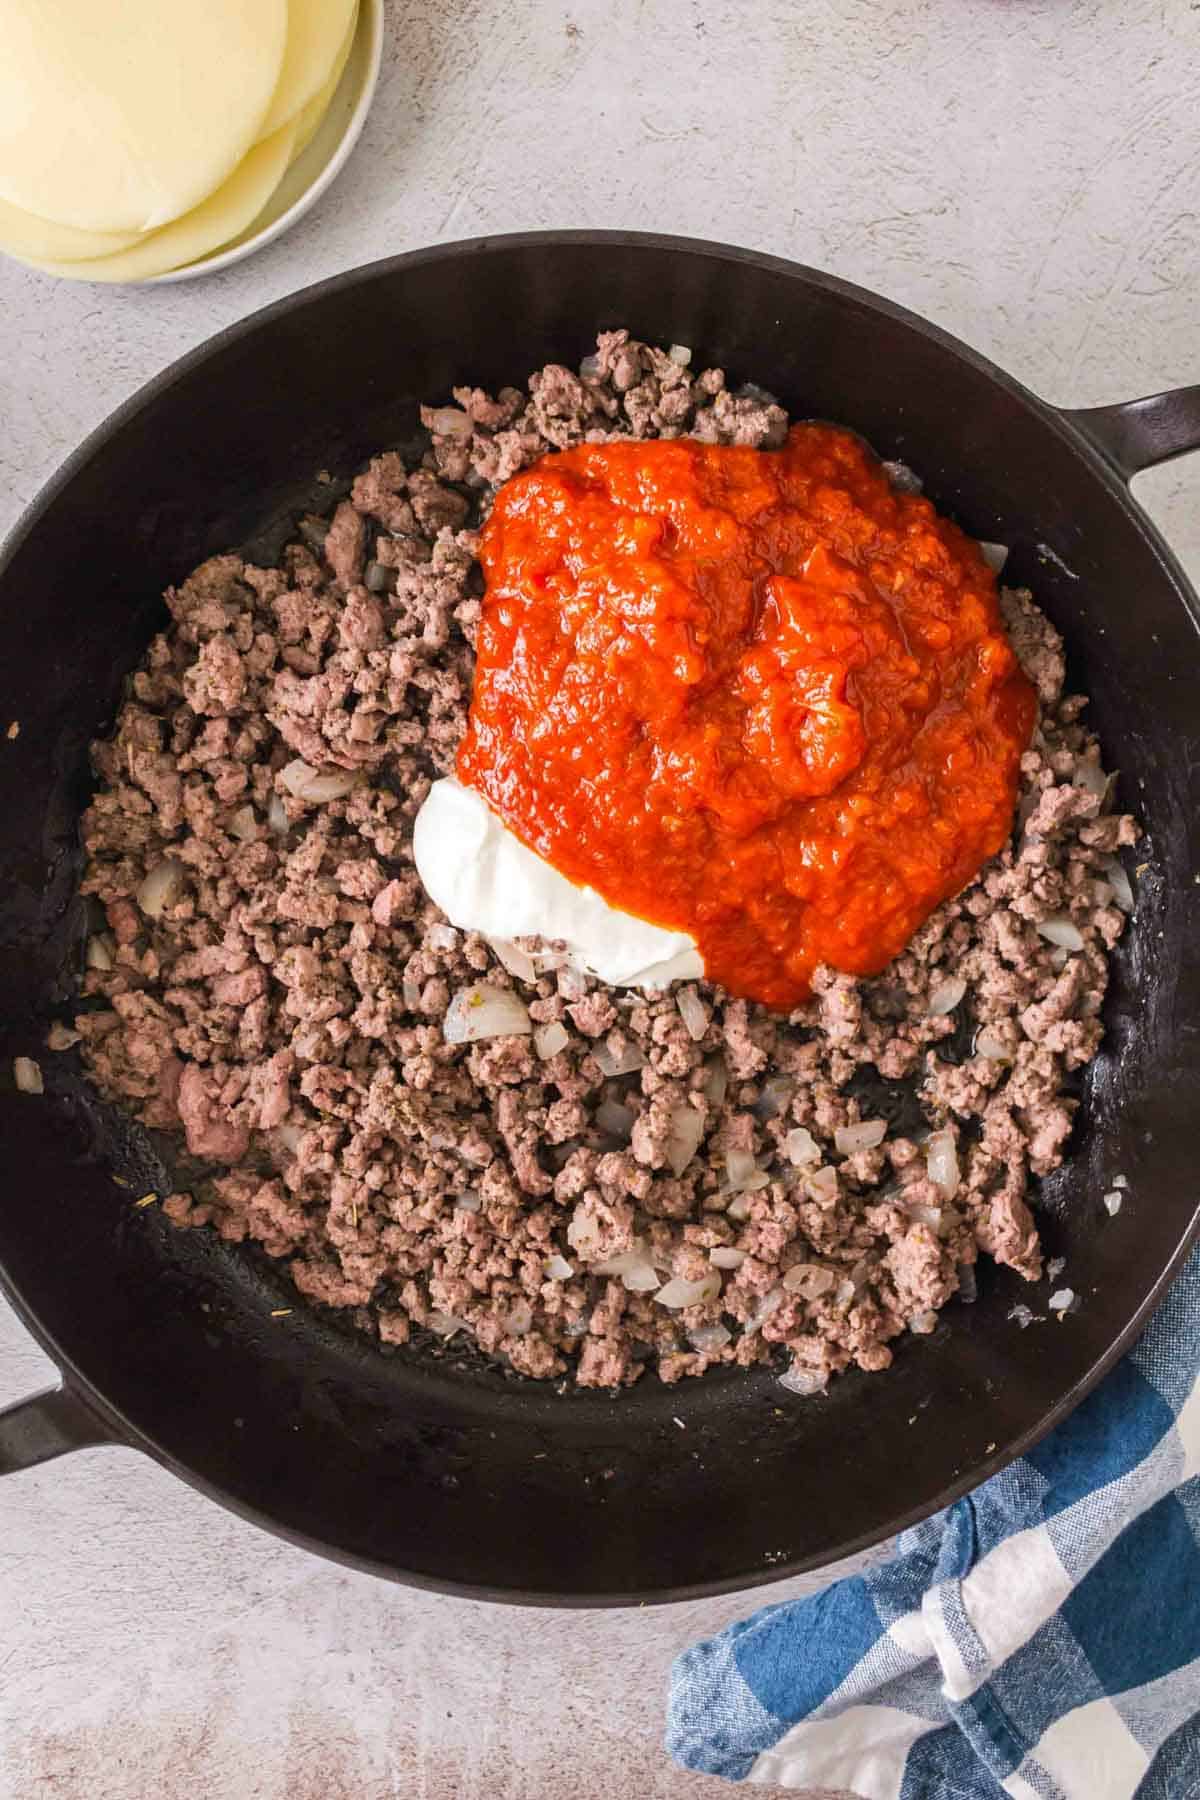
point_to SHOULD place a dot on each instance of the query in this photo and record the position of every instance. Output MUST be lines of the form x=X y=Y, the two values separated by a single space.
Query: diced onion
x=685 y=1130
x=442 y=937
x=99 y=951
x=802 y=1381
x=777 y=1091
x=633 y=1268
x=822 y=1186
x=1113 y=1202
x=518 y=962
x=968 y=1286
x=925 y=1215
x=1122 y=887
x=558 y=1268
x=678 y=1293
x=994 y=555
x=628 y=1062
x=589 y=368
x=243 y=825
x=724 y=1256
x=548 y=1040
x=1021 y=1313
x=861 y=1273
x=866 y=1136
x=28 y=1075
x=739 y=1167
x=479 y=1012
x=716 y=1081
x=739 y=1207
x=615 y=1120
x=642 y=1279
x=317 y=786
x=769 y=1303
x=1061 y=932
x=411 y=989
x=584 y=1232
x=946 y=996
x=923 y=1323
x=693 y=1012
x=161 y=887
x=1062 y=1301
x=445 y=1324
x=681 y=354
x=277 y=818
x=448 y=421
x=621 y=1263
x=941 y=1162
x=468 y=1203
x=1120 y=1181
x=520 y=1319
x=990 y=1044
x=801 y=1148
x=708 y=1339
x=809 y=1279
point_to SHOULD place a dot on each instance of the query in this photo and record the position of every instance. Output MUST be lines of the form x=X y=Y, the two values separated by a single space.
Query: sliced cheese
x=316 y=30
x=24 y=234
x=120 y=115
x=308 y=119
x=306 y=124
x=222 y=216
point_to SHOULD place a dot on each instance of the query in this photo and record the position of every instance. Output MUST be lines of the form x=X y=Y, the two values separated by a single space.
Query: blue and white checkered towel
x=1039 y=1638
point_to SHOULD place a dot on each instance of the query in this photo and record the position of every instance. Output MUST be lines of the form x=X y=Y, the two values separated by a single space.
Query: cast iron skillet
x=451 y=1476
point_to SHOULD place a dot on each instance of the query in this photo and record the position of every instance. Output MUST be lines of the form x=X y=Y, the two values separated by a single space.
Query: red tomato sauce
x=754 y=695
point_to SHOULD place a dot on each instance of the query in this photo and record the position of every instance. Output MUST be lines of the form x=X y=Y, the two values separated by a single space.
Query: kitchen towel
x=1041 y=1637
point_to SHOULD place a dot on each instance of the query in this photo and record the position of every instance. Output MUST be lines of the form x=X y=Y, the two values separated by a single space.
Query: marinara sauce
x=755 y=695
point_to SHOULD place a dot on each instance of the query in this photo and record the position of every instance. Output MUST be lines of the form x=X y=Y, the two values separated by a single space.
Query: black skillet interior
x=447 y=1474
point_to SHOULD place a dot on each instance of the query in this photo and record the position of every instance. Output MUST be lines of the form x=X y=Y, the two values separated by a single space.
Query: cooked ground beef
x=273 y=983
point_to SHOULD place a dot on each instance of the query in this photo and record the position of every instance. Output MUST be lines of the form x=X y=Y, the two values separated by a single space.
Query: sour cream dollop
x=485 y=879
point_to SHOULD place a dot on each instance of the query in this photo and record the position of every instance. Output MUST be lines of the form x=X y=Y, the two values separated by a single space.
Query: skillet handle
x=1137 y=434
x=47 y=1425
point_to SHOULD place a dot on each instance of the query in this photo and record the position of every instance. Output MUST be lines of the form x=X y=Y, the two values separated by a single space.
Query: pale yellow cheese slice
x=316 y=29
x=308 y=119
x=24 y=234
x=120 y=115
x=204 y=229
x=306 y=124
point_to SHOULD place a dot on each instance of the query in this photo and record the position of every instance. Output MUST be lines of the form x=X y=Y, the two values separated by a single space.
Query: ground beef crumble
x=270 y=983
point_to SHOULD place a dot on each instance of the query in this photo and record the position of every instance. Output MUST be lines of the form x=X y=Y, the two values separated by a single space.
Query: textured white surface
x=485 y=879
x=1026 y=173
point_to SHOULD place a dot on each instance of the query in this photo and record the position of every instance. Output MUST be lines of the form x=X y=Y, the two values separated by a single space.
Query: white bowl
x=321 y=162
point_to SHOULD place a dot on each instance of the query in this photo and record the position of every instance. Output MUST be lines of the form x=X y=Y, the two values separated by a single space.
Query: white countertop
x=1023 y=174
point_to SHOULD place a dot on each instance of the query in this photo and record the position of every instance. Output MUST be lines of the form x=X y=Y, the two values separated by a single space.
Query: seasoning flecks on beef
x=272 y=983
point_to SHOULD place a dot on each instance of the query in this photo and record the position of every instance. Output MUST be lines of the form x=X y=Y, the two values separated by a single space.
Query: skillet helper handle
x=1138 y=434
x=47 y=1425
